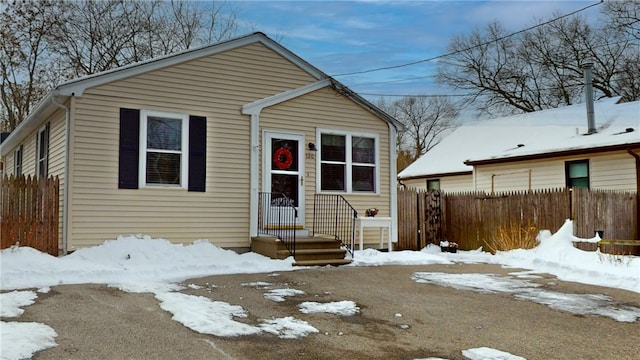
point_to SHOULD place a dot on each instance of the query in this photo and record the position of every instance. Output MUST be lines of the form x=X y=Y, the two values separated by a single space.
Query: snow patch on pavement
x=582 y=304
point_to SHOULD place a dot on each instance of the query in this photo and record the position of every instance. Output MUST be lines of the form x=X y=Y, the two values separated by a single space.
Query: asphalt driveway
x=398 y=319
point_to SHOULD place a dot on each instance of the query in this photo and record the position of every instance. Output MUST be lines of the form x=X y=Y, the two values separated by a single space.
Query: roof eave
x=367 y=105
x=44 y=109
x=559 y=153
x=436 y=175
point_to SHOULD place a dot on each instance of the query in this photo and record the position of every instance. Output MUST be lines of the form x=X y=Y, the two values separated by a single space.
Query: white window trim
x=39 y=146
x=184 y=152
x=18 y=152
x=349 y=164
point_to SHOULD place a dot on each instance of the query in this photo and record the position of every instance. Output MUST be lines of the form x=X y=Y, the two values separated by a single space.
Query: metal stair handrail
x=277 y=217
x=334 y=216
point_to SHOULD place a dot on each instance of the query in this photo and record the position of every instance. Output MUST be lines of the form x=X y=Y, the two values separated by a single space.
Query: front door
x=284 y=171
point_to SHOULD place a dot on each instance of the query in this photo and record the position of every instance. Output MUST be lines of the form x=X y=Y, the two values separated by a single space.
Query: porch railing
x=277 y=217
x=334 y=216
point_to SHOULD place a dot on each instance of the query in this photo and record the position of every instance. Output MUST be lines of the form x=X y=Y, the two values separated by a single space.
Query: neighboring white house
x=538 y=150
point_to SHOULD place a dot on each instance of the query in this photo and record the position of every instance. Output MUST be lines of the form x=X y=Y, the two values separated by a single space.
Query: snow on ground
x=13 y=301
x=484 y=353
x=142 y=264
x=20 y=340
x=582 y=304
x=343 y=308
x=278 y=295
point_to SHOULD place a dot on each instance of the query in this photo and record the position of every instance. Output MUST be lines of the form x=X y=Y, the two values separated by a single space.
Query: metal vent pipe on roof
x=588 y=93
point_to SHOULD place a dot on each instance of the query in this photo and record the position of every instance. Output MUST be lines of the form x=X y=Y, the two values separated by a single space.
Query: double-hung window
x=163 y=149
x=348 y=162
x=577 y=173
x=42 y=151
x=17 y=160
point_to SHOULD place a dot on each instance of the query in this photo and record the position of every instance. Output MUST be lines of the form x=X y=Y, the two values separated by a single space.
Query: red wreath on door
x=283 y=158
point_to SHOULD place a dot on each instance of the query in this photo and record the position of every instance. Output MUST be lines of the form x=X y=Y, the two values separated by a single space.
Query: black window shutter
x=197 y=153
x=129 y=148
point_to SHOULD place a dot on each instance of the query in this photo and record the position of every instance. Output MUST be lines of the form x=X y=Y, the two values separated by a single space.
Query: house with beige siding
x=541 y=150
x=181 y=146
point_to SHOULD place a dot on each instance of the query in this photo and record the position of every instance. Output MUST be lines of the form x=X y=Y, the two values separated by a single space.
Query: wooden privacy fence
x=471 y=218
x=29 y=212
x=419 y=219
x=614 y=213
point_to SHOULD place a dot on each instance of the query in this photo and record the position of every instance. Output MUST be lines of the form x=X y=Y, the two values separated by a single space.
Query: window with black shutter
x=161 y=149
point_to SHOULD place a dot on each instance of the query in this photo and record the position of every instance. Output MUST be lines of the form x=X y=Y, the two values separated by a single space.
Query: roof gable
x=51 y=101
x=78 y=86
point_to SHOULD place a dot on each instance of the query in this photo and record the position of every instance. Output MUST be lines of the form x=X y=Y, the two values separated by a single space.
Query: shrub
x=513 y=236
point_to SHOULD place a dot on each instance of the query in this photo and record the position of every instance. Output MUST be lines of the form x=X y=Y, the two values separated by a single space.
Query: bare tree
x=404 y=155
x=426 y=119
x=101 y=35
x=542 y=68
x=45 y=42
x=624 y=15
x=487 y=65
x=25 y=58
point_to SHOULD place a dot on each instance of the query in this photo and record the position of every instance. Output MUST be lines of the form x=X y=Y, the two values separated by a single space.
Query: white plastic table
x=381 y=222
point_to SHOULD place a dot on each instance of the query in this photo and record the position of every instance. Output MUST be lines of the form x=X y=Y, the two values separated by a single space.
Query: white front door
x=284 y=170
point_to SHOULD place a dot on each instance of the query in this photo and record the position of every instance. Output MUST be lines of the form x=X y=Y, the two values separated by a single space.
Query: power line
x=433 y=76
x=418 y=96
x=469 y=48
x=395 y=81
x=575 y=85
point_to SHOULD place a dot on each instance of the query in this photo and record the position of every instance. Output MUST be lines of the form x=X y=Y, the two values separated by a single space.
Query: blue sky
x=348 y=36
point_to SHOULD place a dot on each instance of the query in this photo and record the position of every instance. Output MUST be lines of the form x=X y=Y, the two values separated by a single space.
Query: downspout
x=393 y=188
x=65 y=196
x=637 y=157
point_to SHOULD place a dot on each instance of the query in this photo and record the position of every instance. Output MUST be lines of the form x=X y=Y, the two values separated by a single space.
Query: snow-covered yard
x=157 y=266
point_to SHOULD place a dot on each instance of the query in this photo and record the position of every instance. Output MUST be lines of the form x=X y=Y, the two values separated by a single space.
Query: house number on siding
x=311 y=156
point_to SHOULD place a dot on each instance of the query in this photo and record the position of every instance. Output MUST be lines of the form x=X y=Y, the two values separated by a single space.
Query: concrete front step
x=316 y=243
x=310 y=251
x=319 y=254
x=334 y=262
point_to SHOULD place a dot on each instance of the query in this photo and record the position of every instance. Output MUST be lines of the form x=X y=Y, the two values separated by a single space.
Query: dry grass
x=513 y=236
x=616 y=259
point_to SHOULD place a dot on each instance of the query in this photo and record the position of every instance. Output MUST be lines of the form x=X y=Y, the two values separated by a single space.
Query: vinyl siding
x=611 y=171
x=216 y=87
x=328 y=110
x=29 y=154
x=419 y=184
x=9 y=164
x=458 y=183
